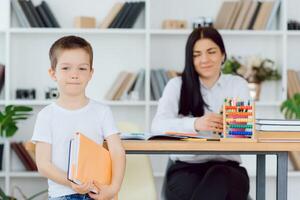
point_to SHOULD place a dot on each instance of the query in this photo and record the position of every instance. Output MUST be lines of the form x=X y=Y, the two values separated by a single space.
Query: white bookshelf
x=24 y=51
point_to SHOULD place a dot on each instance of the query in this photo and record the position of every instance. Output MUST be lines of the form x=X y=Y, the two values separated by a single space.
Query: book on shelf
x=35 y=14
x=138 y=91
x=45 y=18
x=293 y=82
x=254 y=16
x=29 y=15
x=128 y=86
x=126 y=17
x=234 y=15
x=133 y=14
x=21 y=17
x=266 y=14
x=111 y=15
x=251 y=14
x=246 y=4
x=50 y=14
x=88 y=161
x=115 y=87
x=24 y=156
x=247 y=14
x=225 y=14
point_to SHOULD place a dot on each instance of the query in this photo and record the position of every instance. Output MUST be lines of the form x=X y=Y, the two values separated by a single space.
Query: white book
x=263 y=127
x=277 y=122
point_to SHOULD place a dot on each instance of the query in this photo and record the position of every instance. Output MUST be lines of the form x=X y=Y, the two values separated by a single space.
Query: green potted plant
x=291 y=107
x=8 y=122
x=9 y=118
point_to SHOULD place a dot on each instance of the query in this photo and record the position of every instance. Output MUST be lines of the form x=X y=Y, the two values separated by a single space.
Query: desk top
x=207 y=146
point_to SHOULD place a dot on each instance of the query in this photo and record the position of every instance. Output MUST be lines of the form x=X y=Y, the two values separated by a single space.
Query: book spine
x=20 y=14
x=50 y=15
x=135 y=14
x=119 y=15
x=44 y=16
x=154 y=86
x=24 y=5
x=14 y=146
x=35 y=14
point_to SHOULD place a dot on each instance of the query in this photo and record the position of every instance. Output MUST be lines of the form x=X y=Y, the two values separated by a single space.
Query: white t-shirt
x=56 y=126
x=167 y=118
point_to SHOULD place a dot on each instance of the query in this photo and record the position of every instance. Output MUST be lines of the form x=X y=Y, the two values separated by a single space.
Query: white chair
x=138 y=181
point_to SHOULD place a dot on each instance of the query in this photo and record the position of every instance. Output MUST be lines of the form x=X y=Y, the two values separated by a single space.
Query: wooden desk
x=280 y=149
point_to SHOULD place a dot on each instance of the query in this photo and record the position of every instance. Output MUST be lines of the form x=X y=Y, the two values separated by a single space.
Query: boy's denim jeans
x=72 y=197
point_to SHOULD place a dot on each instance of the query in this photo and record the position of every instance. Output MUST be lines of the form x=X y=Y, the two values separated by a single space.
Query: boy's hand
x=209 y=122
x=106 y=192
x=83 y=188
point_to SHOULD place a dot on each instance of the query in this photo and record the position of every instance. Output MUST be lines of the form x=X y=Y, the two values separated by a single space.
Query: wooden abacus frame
x=225 y=137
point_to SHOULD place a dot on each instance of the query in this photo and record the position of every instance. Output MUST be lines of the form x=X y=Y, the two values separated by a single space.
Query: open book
x=169 y=135
x=88 y=161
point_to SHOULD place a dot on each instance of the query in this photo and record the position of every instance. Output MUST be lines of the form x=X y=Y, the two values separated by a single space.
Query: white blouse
x=167 y=118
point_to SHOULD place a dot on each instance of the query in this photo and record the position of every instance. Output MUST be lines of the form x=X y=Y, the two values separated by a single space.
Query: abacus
x=238 y=120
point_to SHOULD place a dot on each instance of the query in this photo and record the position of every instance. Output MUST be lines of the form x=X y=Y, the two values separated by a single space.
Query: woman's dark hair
x=191 y=101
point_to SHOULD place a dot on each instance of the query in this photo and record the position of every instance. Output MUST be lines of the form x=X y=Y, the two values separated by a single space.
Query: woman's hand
x=106 y=192
x=83 y=188
x=209 y=122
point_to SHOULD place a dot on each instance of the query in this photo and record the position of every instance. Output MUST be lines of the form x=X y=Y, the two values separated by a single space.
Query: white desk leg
x=260 y=176
x=282 y=170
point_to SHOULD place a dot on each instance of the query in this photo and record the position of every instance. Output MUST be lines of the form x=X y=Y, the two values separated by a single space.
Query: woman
x=191 y=103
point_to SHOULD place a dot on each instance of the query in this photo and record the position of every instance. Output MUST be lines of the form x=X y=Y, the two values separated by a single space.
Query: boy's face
x=73 y=72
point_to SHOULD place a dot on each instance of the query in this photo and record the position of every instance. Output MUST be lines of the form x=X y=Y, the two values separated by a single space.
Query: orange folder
x=88 y=161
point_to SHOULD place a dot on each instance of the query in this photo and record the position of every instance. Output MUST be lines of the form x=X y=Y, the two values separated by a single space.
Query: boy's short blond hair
x=68 y=43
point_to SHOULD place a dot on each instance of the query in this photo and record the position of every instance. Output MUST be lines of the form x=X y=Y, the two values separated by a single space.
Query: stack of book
x=278 y=125
x=247 y=14
x=278 y=130
x=123 y=15
x=29 y=15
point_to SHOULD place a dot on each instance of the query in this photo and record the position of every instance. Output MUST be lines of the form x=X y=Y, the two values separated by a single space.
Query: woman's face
x=208 y=58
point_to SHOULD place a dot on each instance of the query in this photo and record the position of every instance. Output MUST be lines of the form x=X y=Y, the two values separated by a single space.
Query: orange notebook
x=88 y=161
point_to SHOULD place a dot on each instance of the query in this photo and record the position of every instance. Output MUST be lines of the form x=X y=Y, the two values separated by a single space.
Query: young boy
x=71 y=67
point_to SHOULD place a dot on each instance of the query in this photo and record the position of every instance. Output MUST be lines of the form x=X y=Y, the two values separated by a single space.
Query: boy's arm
x=117 y=154
x=45 y=166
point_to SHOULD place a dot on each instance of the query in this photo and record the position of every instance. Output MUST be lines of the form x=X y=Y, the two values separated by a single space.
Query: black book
x=117 y=18
x=35 y=14
x=131 y=10
x=50 y=14
x=139 y=6
x=255 y=15
x=44 y=16
x=125 y=15
x=28 y=14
